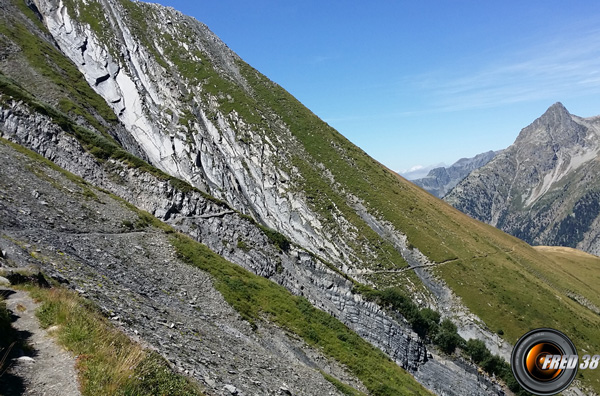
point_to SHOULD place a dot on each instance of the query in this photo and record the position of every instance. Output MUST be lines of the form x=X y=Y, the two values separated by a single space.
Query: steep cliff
x=241 y=166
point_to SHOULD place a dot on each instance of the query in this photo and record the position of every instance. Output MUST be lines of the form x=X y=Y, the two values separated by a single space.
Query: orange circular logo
x=544 y=362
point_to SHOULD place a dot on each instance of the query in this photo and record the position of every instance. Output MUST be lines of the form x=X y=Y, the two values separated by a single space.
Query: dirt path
x=48 y=370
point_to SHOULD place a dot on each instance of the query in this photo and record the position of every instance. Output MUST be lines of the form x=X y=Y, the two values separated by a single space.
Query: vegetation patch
x=53 y=65
x=426 y=323
x=94 y=15
x=109 y=363
x=243 y=245
x=523 y=289
x=255 y=297
x=492 y=364
x=342 y=387
x=278 y=239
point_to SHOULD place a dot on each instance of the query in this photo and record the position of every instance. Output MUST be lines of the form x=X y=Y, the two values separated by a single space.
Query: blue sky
x=418 y=83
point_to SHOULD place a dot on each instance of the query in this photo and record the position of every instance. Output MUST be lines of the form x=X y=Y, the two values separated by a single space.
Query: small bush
x=276 y=238
x=128 y=224
x=477 y=350
x=243 y=245
x=447 y=338
x=494 y=364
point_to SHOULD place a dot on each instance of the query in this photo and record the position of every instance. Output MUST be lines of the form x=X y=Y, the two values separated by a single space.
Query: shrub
x=277 y=238
x=477 y=350
x=494 y=364
x=447 y=337
x=243 y=245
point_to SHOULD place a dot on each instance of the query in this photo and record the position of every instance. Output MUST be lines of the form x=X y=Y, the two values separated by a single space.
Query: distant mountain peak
x=558 y=106
x=544 y=187
x=556 y=126
x=555 y=112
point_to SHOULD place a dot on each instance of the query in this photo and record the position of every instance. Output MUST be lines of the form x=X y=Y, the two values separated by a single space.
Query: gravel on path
x=47 y=369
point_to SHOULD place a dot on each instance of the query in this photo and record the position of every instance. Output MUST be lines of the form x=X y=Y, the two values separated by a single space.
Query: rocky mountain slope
x=544 y=188
x=147 y=104
x=439 y=181
x=94 y=242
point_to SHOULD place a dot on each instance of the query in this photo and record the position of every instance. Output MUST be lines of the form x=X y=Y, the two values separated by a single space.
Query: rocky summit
x=213 y=218
x=543 y=188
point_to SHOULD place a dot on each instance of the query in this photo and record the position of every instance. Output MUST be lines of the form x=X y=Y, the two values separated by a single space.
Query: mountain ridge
x=439 y=181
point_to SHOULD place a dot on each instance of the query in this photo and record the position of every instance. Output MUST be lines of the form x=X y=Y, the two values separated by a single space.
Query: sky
x=417 y=84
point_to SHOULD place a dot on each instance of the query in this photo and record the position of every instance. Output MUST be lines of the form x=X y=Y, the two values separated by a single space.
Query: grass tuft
x=342 y=387
x=109 y=363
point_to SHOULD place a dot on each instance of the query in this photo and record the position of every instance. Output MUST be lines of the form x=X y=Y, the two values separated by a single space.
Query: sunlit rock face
x=544 y=188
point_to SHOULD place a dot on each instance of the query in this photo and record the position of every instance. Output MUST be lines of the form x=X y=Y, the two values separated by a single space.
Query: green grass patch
x=342 y=387
x=109 y=363
x=28 y=12
x=255 y=297
x=523 y=289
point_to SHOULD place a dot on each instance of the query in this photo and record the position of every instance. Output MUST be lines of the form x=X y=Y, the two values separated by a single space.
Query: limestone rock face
x=544 y=187
x=176 y=120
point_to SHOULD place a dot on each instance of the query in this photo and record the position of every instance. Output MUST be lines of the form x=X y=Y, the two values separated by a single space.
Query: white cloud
x=418 y=171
